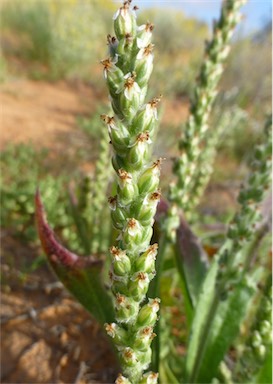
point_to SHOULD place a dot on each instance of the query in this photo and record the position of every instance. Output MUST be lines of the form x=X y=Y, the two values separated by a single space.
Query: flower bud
x=133 y=232
x=144 y=338
x=126 y=308
x=124 y=21
x=146 y=118
x=149 y=180
x=144 y=35
x=130 y=96
x=146 y=262
x=127 y=188
x=144 y=210
x=118 y=334
x=121 y=262
x=138 y=286
x=117 y=133
x=118 y=163
x=256 y=339
x=118 y=213
x=138 y=237
x=149 y=378
x=124 y=51
x=144 y=65
x=265 y=331
x=128 y=356
x=122 y=380
x=148 y=313
x=144 y=358
x=114 y=76
x=260 y=351
x=138 y=152
x=118 y=283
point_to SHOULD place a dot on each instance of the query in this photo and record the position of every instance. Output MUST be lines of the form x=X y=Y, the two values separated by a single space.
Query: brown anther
x=135 y=8
x=109 y=328
x=112 y=200
x=114 y=250
x=128 y=354
x=107 y=63
x=123 y=175
x=148 y=50
x=149 y=27
x=110 y=274
x=157 y=163
x=155 y=196
x=129 y=37
x=153 y=248
x=147 y=331
x=126 y=5
x=107 y=119
x=132 y=223
x=120 y=299
x=155 y=303
x=130 y=81
x=142 y=137
x=111 y=40
x=153 y=103
x=120 y=379
x=141 y=276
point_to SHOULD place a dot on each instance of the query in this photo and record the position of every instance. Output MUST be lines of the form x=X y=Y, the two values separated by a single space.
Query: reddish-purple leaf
x=80 y=275
x=55 y=251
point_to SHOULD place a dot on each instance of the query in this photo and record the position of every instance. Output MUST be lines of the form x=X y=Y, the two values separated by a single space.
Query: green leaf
x=215 y=326
x=80 y=275
x=224 y=329
x=201 y=320
x=191 y=260
x=79 y=221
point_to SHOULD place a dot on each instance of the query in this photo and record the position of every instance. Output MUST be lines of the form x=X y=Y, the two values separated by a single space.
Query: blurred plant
x=256 y=355
x=89 y=198
x=217 y=296
x=182 y=54
x=21 y=166
x=63 y=35
x=257 y=91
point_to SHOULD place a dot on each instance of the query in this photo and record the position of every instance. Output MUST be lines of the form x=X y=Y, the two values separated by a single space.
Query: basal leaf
x=80 y=275
x=224 y=329
x=191 y=259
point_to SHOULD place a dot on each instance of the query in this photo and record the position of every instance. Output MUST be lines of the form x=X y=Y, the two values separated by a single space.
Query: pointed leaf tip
x=55 y=251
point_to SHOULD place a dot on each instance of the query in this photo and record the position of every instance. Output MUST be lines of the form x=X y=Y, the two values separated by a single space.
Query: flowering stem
x=190 y=145
x=131 y=132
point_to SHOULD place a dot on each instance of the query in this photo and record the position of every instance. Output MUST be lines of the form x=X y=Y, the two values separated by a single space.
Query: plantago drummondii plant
x=216 y=296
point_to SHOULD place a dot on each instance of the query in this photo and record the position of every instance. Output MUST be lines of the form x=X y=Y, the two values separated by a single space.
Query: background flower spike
x=80 y=275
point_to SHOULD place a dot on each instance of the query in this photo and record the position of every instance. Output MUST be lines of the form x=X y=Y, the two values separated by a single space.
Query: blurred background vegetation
x=56 y=41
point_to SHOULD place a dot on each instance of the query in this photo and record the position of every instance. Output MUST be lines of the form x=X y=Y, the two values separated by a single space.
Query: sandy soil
x=46 y=336
x=41 y=112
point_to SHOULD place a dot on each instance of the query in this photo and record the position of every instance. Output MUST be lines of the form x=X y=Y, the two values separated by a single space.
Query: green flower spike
x=131 y=130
